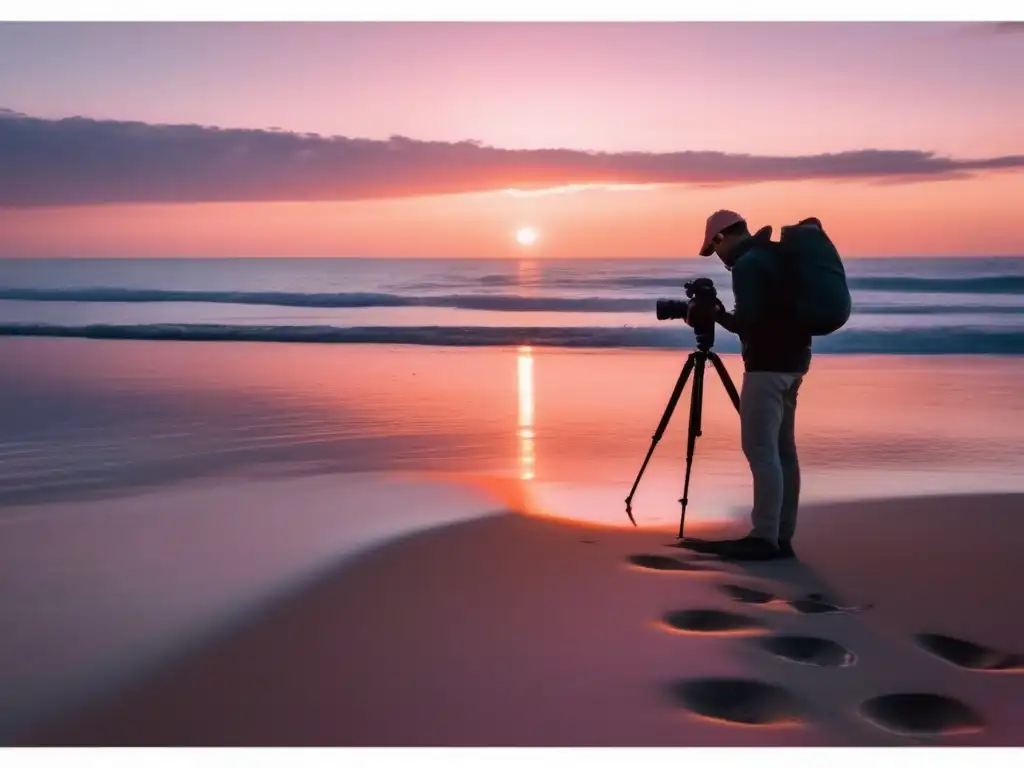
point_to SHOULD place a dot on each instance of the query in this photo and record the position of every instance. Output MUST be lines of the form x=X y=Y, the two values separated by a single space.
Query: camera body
x=699 y=310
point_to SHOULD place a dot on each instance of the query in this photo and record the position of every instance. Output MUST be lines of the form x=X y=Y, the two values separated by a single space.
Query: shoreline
x=522 y=630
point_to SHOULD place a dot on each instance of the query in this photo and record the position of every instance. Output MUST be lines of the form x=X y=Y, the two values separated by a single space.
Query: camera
x=699 y=310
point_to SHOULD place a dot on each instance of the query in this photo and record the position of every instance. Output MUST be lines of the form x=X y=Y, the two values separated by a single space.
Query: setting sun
x=526 y=236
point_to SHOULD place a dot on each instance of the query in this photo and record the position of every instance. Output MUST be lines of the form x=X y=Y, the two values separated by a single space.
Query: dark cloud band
x=80 y=161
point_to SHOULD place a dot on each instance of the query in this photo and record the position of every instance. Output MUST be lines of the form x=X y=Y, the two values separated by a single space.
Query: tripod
x=695 y=363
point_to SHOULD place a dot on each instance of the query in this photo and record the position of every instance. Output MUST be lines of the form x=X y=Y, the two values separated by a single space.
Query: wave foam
x=493 y=303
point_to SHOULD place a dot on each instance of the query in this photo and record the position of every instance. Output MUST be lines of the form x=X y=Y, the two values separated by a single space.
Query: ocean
x=901 y=306
x=419 y=364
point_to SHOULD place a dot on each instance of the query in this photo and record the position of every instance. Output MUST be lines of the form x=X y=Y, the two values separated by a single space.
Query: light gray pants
x=767 y=428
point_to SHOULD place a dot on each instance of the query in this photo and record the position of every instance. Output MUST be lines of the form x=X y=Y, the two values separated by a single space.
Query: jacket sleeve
x=725 y=318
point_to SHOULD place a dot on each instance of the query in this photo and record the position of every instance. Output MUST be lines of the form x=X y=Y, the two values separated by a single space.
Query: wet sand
x=898 y=626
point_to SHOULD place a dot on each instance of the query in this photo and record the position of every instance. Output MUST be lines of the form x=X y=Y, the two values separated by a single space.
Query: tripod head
x=705 y=339
x=698 y=311
x=701 y=310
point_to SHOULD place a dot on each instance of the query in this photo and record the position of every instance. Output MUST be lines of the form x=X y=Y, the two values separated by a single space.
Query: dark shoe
x=786 y=550
x=749 y=548
x=703 y=546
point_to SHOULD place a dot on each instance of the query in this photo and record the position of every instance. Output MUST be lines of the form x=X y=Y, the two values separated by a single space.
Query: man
x=776 y=355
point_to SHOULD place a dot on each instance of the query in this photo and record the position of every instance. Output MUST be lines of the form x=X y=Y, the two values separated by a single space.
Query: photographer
x=776 y=355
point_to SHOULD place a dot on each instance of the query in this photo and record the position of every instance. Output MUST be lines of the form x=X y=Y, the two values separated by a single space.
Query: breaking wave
x=508 y=303
x=494 y=303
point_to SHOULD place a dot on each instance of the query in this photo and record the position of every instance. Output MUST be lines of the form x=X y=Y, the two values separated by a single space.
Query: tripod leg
x=723 y=373
x=662 y=426
x=693 y=432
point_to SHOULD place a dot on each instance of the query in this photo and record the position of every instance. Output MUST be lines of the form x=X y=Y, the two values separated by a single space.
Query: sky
x=609 y=140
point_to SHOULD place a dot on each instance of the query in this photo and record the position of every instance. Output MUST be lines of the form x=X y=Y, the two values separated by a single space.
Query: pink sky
x=792 y=91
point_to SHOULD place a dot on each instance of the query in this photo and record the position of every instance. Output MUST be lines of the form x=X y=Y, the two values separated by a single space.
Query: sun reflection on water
x=525 y=432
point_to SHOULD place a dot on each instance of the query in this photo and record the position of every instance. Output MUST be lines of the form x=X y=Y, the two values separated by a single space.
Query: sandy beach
x=524 y=630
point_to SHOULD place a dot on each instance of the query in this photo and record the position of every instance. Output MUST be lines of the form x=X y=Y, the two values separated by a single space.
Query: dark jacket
x=771 y=340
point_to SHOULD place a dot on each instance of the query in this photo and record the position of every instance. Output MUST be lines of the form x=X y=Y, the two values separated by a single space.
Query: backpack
x=813 y=273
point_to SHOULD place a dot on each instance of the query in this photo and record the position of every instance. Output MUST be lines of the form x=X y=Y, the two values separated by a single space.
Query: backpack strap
x=787 y=271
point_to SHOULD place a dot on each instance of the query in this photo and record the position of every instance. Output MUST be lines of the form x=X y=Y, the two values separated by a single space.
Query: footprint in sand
x=921 y=714
x=814 y=651
x=747 y=595
x=662 y=563
x=738 y=700
x=708 y=621
x=808 y=605
x=968 y=655
x=812 y=603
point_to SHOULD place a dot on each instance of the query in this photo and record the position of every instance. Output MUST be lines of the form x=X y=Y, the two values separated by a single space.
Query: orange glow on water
x=562 y=433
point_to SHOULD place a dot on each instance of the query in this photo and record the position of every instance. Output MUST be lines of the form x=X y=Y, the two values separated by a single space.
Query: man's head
x=723 y=232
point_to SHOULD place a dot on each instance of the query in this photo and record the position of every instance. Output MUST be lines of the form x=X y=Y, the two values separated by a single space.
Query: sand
x=96 y=593
x=522 y=630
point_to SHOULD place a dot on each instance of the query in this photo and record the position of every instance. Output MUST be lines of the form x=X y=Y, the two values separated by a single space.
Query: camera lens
x=670 y=309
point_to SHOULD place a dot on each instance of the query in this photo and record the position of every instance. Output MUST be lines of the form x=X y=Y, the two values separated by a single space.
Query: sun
x=526 y=236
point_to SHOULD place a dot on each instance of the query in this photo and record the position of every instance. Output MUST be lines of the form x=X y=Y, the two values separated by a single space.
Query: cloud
x=81 y=161
x=1008 y=27
x=570 y=188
